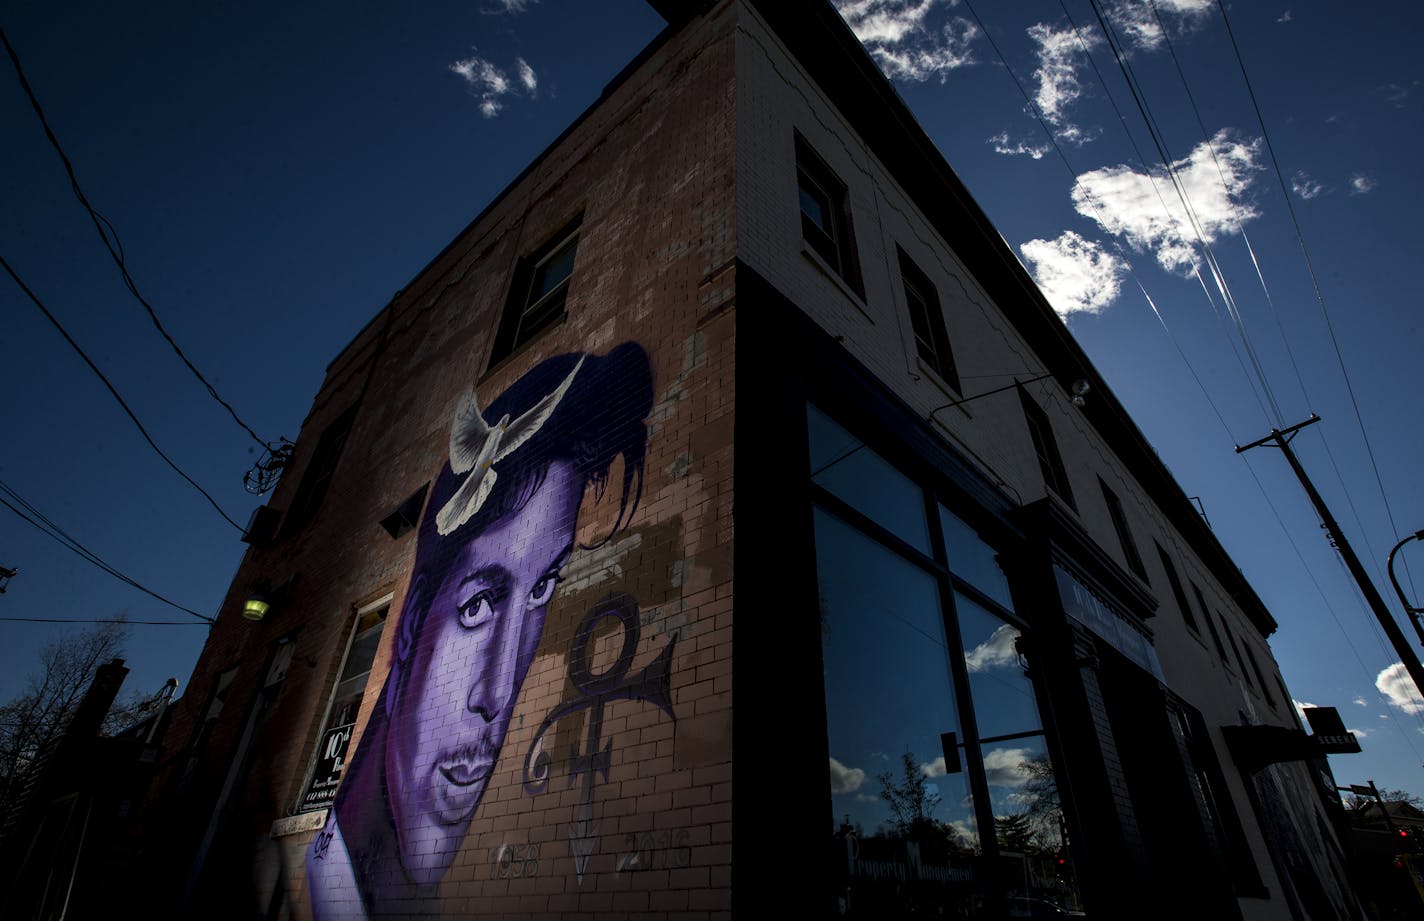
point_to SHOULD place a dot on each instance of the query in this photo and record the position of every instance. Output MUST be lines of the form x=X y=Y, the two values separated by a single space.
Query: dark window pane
x=554 y=271
x=973 y=560
x=842 y=463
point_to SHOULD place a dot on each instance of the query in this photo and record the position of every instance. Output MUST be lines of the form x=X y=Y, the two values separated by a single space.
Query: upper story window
x=825 y=215
x=538 y=291
x=1046 y=446
x=927 y=321
x=1211 y=626
x=317 y=477
x=1175 y=583
x=1124 y=535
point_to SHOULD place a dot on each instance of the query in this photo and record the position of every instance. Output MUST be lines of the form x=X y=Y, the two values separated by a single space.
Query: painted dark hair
x=601 y=418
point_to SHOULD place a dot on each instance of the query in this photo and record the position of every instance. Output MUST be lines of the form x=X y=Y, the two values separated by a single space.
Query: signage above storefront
x=1083 y=605
x=321 y=792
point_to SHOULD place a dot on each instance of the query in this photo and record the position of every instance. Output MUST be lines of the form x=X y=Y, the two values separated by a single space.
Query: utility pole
x=1282 y=438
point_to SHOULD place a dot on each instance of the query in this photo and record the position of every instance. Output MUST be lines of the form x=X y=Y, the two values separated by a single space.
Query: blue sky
x=277 y=173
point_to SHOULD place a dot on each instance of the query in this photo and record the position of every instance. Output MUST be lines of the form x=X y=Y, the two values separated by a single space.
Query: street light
x=1409 y=609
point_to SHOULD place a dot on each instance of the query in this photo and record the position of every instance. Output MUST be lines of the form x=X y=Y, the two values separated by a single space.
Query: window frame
x=320 y=471
x=834 y=245
x=1124 y=532
x=547 y=309
x=1045 y=446
x=927 y=317
x=1174 y=582
x=380 y=610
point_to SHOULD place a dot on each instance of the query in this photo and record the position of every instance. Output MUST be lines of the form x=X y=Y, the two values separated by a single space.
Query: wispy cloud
x=995 y=652
x=1285 y=17
x=1077 y=275
x=1397 y=94
x=1361 y=184
x=527 y=78
x=1399 y=690
x=935 y=768
x=1141 y=23
x=1002 y=145
x=845 y=779
x=1361 y=702
x=508 y=7
x=898 y=36
x=1060 y=54
x=488 y=82
x=1144 y=209
x=1306 y=187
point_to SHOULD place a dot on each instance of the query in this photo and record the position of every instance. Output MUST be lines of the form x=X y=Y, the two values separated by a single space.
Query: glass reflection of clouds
x=888 y=687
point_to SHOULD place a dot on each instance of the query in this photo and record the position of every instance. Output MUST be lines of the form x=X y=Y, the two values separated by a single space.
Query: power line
x=33 y=516
x=1310 y=268
x=109 y=620
x=110 y=237
x=114 y=391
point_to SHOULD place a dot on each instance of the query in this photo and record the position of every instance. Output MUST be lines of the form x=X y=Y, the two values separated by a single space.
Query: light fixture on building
x=256 y=606
x=5 y=576
x=1080 y=393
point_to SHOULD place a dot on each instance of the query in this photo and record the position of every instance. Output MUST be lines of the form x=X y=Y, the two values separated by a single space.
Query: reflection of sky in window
x=973 y=560
x=864 y=480
x=887 y=677
x=1002 y=693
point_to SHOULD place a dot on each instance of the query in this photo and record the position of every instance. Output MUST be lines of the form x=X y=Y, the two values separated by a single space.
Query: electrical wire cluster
x=1240 y=341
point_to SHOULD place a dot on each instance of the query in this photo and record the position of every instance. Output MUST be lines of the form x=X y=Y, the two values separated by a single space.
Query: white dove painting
x=476 y=447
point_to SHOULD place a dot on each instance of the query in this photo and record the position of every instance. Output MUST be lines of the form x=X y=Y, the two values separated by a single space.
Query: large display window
x=941 y=785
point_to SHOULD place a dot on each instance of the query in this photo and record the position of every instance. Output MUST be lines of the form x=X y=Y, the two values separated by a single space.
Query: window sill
x=829 y=271
x=496 y=366
x=301 y=822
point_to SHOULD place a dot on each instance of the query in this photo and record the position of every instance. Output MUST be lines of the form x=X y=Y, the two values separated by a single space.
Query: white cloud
x=510 y=7
x=1300 y=708
x=845 y=779
x=1361 y=702
x=897 y=35
x=1004 y=767
x=1143 y=207
x=1142 y=28
x=1002 y=145
x=1361 y=184
x=527 y=77
x=1399 y=690
x=866 y=798
x=1285 y=17
x=490 y=84
x=1306 y=187
x=996 y=651
x=935 y=768
x=1060 y=53
x=1359 y=733
x=1077 y=275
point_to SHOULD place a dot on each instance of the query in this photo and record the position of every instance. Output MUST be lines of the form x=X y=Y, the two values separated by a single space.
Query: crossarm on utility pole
x=1281 y=439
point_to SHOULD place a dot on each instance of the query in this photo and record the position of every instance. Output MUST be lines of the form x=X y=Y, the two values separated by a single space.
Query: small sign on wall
x=331 y=758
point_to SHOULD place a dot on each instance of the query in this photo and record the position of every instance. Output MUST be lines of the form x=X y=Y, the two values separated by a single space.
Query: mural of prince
x=498 y=528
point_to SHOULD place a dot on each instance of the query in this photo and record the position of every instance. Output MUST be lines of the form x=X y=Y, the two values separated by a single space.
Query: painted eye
x=477 y=611
x=544 y=590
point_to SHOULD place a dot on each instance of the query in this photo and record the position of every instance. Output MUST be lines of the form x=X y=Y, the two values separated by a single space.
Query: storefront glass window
x=842 y=464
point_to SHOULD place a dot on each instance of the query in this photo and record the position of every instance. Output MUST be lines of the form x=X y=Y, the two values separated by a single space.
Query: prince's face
x=463 y=668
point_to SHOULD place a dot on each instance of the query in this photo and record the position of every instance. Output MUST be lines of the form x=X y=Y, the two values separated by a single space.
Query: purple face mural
x=498 y=528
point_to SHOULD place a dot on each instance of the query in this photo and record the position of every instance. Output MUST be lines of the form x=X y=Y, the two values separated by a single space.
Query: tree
x=39 y=715
x=1357 y=804
x=912 y=803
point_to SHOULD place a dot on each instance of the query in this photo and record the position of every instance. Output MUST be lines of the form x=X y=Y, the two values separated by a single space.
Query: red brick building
x=678 y=421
